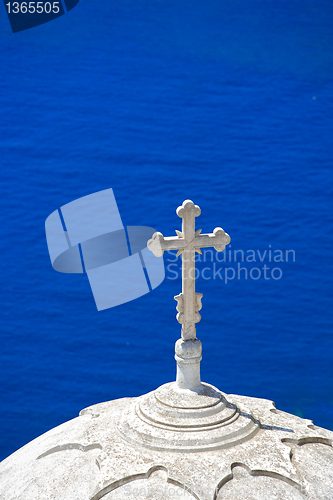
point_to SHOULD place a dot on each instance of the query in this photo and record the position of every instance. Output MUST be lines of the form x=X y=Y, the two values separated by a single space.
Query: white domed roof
x=248 y=450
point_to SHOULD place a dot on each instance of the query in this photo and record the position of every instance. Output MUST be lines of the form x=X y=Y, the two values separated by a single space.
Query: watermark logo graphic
x=23 y=15
x=88 y=236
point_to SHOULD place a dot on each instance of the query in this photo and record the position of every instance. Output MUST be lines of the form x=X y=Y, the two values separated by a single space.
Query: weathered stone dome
x=219 y=447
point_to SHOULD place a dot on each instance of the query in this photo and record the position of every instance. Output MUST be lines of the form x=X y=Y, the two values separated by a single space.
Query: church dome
x=237 y=447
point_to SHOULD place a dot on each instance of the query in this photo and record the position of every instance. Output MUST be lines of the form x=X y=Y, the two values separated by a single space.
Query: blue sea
x=229 y=104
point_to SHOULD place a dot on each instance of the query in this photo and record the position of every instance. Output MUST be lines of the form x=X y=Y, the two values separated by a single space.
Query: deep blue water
x=226 y=103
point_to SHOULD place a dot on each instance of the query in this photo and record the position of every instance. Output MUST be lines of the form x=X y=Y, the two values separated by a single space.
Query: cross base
x=188 y=357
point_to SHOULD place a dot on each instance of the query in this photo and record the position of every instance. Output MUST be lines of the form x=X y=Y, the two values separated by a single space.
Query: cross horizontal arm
x=218 y=239
x=173 y=243
x=158 y=244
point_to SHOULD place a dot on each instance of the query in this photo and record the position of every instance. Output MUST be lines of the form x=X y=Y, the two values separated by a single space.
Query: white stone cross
x=187 y=242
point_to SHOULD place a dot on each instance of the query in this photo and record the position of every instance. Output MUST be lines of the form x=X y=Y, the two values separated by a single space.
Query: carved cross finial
x=187 y=242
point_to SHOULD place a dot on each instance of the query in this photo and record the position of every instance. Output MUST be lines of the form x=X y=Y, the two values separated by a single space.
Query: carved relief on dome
x=313 y=459
x=243 y=483
x=154 y=485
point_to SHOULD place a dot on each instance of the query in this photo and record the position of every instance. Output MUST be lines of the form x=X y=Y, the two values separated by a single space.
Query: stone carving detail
x=313 y=459
x=169 y=420
x=180 y=307
x=155 y=484
x=198 y=306
x=71 y=446
x=198 y=303
x=243 y=483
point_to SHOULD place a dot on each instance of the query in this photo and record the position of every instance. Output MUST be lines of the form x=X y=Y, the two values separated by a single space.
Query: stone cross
x=187 y=242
